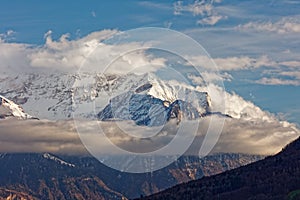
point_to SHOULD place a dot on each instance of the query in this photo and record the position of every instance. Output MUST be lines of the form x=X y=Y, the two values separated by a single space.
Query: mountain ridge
x=275 y=177
x=42 y=178
x=10 y=109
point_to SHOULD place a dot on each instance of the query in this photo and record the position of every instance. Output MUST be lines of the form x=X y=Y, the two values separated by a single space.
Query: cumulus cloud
x=203 y=8
x=283 y=26
x=13 y=58
x=69 y=55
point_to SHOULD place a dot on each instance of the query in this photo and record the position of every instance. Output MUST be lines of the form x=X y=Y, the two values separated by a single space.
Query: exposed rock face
x=147 y=110
x=10 y=109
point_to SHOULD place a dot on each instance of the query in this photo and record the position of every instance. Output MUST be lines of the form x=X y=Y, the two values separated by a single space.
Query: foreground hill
x=275 y=177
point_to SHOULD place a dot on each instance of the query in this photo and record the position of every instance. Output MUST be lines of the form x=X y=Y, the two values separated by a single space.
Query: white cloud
x=196 y=8
x=295 y=74
x=14 y=58
x=278 y=81
x=243 y=62
x=235 y=105
x=255 y=137
x=276 y=73
x=203 y=8
x=69 y=55
x=284 y=73
x=292 y=63
x=211 y=20
x=283 y=26
x=232 y=63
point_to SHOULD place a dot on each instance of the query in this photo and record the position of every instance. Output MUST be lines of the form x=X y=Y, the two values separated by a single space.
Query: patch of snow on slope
x=58 y=160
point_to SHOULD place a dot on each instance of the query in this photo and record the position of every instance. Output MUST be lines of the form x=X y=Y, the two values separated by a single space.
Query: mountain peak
x=151 y=101
x=9 y=109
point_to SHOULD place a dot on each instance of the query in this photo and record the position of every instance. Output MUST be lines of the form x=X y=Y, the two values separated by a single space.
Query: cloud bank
x=39 y=136
x=238 y=135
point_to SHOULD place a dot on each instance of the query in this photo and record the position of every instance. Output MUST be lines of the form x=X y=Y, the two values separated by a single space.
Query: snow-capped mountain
x=146 y=99
x=46 y=96
x=9 y=109
x=154 y=103
x=56 y=96
x=51 y=96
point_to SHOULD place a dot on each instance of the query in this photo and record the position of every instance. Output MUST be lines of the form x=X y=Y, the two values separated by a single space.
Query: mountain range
x=56 y=96
x=48 y=176
x=146 y=100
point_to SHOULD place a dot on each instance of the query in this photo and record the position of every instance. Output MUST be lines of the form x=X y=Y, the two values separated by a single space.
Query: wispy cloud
x=283 y=73
x=155 y=5
x=283 y=26
x=274 y=72
x=278 y=81
x=232 y=63
x=211 y=20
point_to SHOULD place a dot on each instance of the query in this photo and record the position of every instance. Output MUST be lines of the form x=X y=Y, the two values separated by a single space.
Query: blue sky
x=259 y=40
